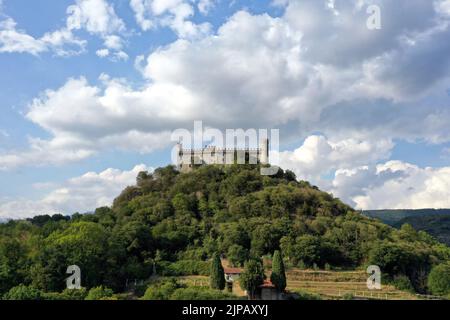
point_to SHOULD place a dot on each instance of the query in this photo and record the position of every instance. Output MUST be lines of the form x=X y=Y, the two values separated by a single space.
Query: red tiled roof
x=267 y=284
x=232 y=270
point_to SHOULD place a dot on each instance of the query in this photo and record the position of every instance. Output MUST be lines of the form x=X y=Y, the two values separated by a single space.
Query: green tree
x=439 y=279
x=12 y=263
x=23 y=292
x=278 y=276
x=99 y=293
x=217 y=274
x=162 y=290
x=237 y=255
x=252 y=277
x=83 y=244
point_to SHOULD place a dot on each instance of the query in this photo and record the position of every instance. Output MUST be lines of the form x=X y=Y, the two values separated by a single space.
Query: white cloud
x=175 y=14
x=300 y=72
x=95 y=16
x=120 y=55
x=394 y=185
x=61 y=42
x=204 y=6
x=139 y=8
x=443 y=7
x=318 y=156
x=114 y=45
x=13 y=40
x=102 y=53
x=80 y=194
x=113 y=42
x=266 y=77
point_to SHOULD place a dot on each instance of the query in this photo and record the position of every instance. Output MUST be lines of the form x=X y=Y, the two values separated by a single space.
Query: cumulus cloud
x=394 y=184
x=95 y=16
x=347 y=97
x=272 y=75
x=98 y=17
x=319 y=156
x=61 y=42
x=175 y=14
x=80 y=194
x=352 y=171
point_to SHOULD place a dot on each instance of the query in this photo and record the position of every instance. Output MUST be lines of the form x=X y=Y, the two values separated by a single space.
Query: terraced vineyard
x=334 y=285
x=327 y=284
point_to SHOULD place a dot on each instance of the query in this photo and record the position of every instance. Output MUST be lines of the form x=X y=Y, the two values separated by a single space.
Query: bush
x=67 y=294
x=348 y=296
x=301 y=295
x=402 y=282
x=23 y=292
x=199 y=293
x=439 y=280
x=99 y=293
x=162 y=290
x=301 y=265
x=183 y=268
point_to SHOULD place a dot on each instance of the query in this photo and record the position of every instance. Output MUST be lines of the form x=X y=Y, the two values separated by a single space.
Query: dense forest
x=436 y=225
x=172 y=223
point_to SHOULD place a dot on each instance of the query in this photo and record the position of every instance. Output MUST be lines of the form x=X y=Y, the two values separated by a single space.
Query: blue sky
x=91 y=89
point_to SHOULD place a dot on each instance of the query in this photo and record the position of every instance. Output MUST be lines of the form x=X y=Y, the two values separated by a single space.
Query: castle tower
x=179 y=154
x=264 y=149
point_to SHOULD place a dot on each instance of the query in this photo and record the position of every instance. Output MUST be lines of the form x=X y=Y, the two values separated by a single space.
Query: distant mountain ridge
x=433 y=221
x=394 y=216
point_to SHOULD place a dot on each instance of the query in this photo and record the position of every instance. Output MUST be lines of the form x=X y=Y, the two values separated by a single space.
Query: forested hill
x=178 y=221
x=392 y=217
x=436 y=225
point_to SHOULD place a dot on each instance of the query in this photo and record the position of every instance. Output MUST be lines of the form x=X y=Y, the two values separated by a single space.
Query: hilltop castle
x=188 y=158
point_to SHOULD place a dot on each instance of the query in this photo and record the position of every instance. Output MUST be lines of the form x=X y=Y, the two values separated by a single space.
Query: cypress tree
x=278 y=276
x=252 y=277
x=217 y=274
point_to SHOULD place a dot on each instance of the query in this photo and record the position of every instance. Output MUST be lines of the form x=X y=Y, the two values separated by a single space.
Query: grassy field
x=326 y=284
x=337 y=284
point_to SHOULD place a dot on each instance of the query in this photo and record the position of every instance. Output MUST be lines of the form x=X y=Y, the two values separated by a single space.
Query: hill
x=436 y=225
x=392 y=217
x=174 y=222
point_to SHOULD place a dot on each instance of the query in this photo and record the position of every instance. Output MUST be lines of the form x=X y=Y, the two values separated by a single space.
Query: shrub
x=198 y=293
x=439 y=280
x=301 y=295
x=22 y=292
x=348 y=296
x=99 y=293
x=162 y=290
x=183 y=268
x=402 y=282
x=301 y=265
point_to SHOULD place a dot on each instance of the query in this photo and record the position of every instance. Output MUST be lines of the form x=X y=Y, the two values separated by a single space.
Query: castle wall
x=212 y=155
